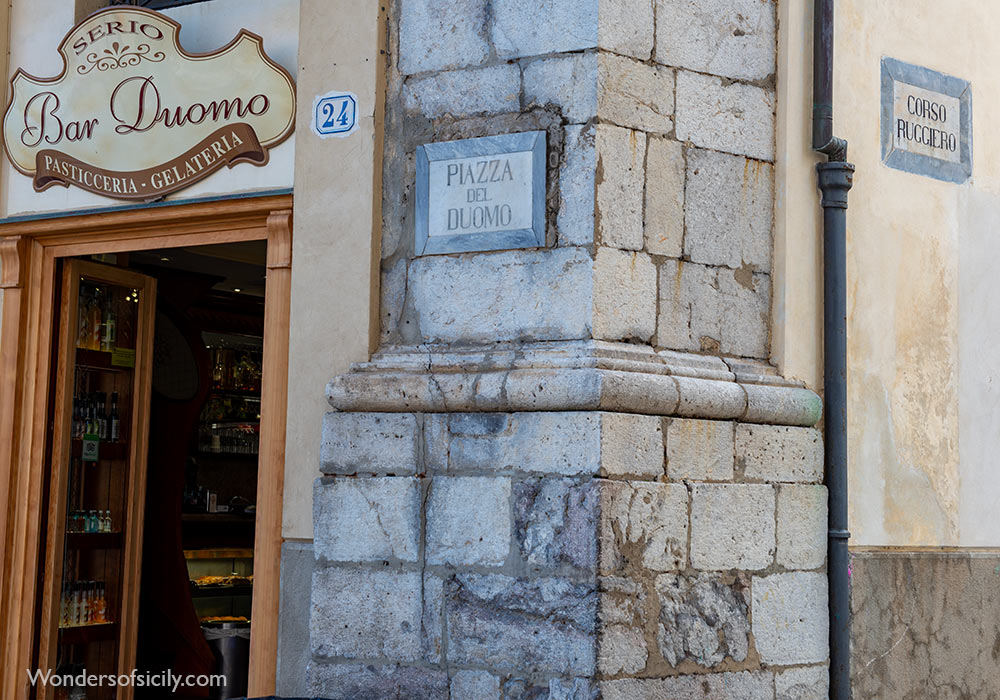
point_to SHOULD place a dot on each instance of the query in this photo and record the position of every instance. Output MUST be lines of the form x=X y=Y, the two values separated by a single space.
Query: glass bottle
x=94 y=340
x=109 y=327
x=115 y=427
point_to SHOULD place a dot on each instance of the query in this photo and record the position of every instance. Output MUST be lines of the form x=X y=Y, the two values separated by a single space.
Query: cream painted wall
x=37 y=29
x=924 y=333
x=334 y=251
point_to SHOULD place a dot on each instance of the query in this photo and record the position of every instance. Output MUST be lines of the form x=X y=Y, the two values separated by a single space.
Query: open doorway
x=160 y=496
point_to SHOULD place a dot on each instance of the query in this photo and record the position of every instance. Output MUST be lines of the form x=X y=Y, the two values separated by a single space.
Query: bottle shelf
x=248 y=394
x=85 y=634
x=221 y=591
x=97 y=359
x=94 y=540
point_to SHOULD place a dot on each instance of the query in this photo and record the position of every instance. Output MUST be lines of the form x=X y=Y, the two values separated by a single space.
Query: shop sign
x=484 y=193
x=926 y=122
x=133 y=116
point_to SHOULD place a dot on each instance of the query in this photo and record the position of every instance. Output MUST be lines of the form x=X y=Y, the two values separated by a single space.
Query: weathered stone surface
x=392 y=293
x=565 y=443
x=713 y=309
x=433 y=620
x=623 y=601
x=734 y=117
x=539 y=625
x=732 y=526
x=575 y=221
x=513 y=295
x=370 y=442
x=806 y=683
x=621 y=649
x=624 y=295
x=441 y=34
x=555 y=521
x=731 y=38
x=702 y=619
x=620 y=173
x=468 y=520
x=631 y=445
x=490 y=90
x=353 y=681
x=436 y=440
x=539 y=27
x=779 y=453
x=567 y=82
x=475 y=685
x=572 y=689
x=628 y=38
x=745 y=685
x=664 y=224
x=366 y=519
x=802 y=524
x=701 y=450
x=643 y=525
x=728 y=210
x=790 y=618
x=366 y=614
x=635 y=95
x=924 y=624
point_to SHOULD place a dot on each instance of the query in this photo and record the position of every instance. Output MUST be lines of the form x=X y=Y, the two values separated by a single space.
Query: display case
x=89 y=605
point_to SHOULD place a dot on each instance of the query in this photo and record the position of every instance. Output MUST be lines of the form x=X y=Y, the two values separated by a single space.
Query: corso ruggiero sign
x=133 y=116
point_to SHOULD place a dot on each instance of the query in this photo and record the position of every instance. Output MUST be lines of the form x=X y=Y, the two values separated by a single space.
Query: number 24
x=329 y=111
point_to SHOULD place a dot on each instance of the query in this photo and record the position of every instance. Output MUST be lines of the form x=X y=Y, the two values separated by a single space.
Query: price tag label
x=123 y=357
x=91 y=448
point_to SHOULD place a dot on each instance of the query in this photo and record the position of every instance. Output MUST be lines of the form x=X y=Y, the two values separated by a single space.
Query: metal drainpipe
x=835 y=180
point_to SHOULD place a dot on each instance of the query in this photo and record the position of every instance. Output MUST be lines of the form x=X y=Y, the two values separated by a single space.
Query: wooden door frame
x=29 y=251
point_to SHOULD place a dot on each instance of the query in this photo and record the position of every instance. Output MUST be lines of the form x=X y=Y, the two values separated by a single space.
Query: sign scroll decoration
x=133 y=116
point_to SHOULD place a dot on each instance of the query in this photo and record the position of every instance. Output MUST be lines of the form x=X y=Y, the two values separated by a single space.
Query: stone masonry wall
x=660 y=123
x=568 y=555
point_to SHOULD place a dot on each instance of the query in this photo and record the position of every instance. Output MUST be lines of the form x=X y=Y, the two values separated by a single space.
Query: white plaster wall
x=38 y=27
x=924 y=332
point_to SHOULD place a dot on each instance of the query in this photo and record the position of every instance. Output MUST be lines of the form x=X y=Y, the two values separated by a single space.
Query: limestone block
x=361 y=614
x=779 y=453
x=633 y=37
x=728 y=210
x=433 y=622
x=631 y=445
x=734 y=39
x=567 y=82
x=512 y=295
x=534 y=626
x=731 y=117
x=713 y=309
x=635 y=95
x=491 y=90
x=624 y=295
x=575 y=220
x=366 y=519
x=732 y=526
x=790 y=618
x=664 y=222
x=644 y=525
x=744 y=685
x=620 y=174
x=475 y=685
x=441 y=34
x=806 y=683
x=571 y=689
x=468 y=520
x=701 y=450
x=338 y=681
x=623 y=601
x=702 y=619
x=621 y=649
x=436 y=440
x=555 y=521
x=802 y=526
x=536 y=27
x=370 y=442
x=392 y=294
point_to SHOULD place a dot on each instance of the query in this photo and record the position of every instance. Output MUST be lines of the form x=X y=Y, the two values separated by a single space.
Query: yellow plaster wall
x=924 y=310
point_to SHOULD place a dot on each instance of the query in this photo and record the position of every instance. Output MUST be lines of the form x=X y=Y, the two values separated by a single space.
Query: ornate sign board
x=133 y=116
x=926 y=122
x=484 y=193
